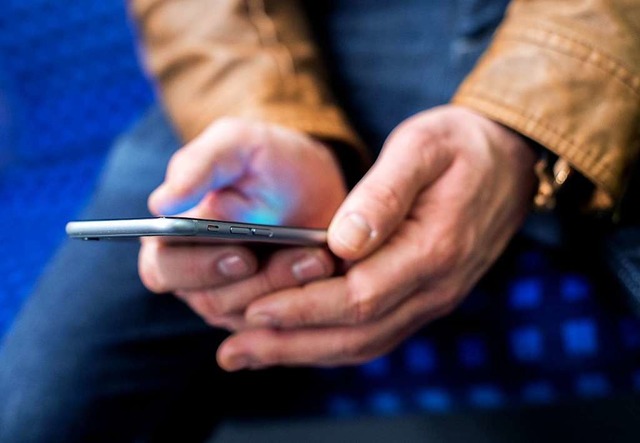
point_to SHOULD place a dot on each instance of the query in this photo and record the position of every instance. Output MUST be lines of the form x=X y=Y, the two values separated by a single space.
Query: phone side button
x=238 y=230
x=262 y=232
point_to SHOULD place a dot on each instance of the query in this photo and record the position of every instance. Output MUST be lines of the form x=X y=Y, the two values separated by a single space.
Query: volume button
x=239 y=230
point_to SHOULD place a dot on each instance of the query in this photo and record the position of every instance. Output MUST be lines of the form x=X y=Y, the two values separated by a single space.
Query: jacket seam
x=268 y=37
x=602 y=175
x=592 y=55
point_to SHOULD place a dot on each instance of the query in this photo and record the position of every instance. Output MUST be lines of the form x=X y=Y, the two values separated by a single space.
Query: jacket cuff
x=569 y=96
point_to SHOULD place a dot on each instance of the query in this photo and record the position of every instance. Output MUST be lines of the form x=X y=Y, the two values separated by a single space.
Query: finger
x=369 y=289
x=409 y=161
x=167 y=267
x=337 y=301
x=285 y=269
x=211 y=161
x=257 y=348
x=231 y=204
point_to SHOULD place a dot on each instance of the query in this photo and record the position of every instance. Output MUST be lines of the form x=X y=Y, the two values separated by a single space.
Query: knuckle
x=417 y=137
x=226 y=122
x=148 y=271
x=448 y=303
x=269 y=280
x=468 y=241
x=362 y=301
x=271 y=354
x=429 y=143
x=359 y=350
x=385 y=197
x=351 y=350
x=230 y=126
x=216 y=307
x=448 y=257
x=303 y=317
x=447 y=300
x=210 y=304
x=444 y=254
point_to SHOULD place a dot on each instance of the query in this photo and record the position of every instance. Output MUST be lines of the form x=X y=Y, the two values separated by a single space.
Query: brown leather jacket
x=565 y=73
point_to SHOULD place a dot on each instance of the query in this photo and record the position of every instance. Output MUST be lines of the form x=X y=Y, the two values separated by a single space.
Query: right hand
x=247 y=171
x=438 y=207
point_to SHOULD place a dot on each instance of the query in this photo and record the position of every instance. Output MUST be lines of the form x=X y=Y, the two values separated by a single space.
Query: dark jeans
x=93 y=356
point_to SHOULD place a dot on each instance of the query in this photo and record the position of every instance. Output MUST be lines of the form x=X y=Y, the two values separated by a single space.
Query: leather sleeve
x=566 y=73
x=242 y=58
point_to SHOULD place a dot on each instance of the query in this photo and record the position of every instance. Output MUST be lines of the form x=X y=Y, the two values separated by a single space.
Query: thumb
x=214 y=160
x=375 y=208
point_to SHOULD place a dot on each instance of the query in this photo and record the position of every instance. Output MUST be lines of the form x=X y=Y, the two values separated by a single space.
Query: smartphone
x=193 y=229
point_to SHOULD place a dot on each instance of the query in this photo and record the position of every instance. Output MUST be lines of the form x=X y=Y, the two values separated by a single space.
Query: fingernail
x=233 y=266
x=308 y=268
x=353 y=232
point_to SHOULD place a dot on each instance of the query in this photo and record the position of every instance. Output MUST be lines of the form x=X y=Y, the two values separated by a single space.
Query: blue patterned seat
x=70 y=82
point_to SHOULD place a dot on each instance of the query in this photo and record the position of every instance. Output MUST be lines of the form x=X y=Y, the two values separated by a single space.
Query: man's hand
x=247 y=171
x=447 y=193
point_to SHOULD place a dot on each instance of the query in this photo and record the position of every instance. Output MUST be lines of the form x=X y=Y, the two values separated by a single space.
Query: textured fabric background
x=70 y=82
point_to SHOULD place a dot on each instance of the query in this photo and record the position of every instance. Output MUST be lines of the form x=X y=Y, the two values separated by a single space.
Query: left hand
x=447 y=193
x=247 y=170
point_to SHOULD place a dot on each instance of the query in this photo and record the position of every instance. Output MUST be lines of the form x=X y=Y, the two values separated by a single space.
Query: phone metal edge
x=196 y=228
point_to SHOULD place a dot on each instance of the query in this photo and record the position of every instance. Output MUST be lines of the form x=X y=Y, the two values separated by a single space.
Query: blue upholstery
x=70 y=82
